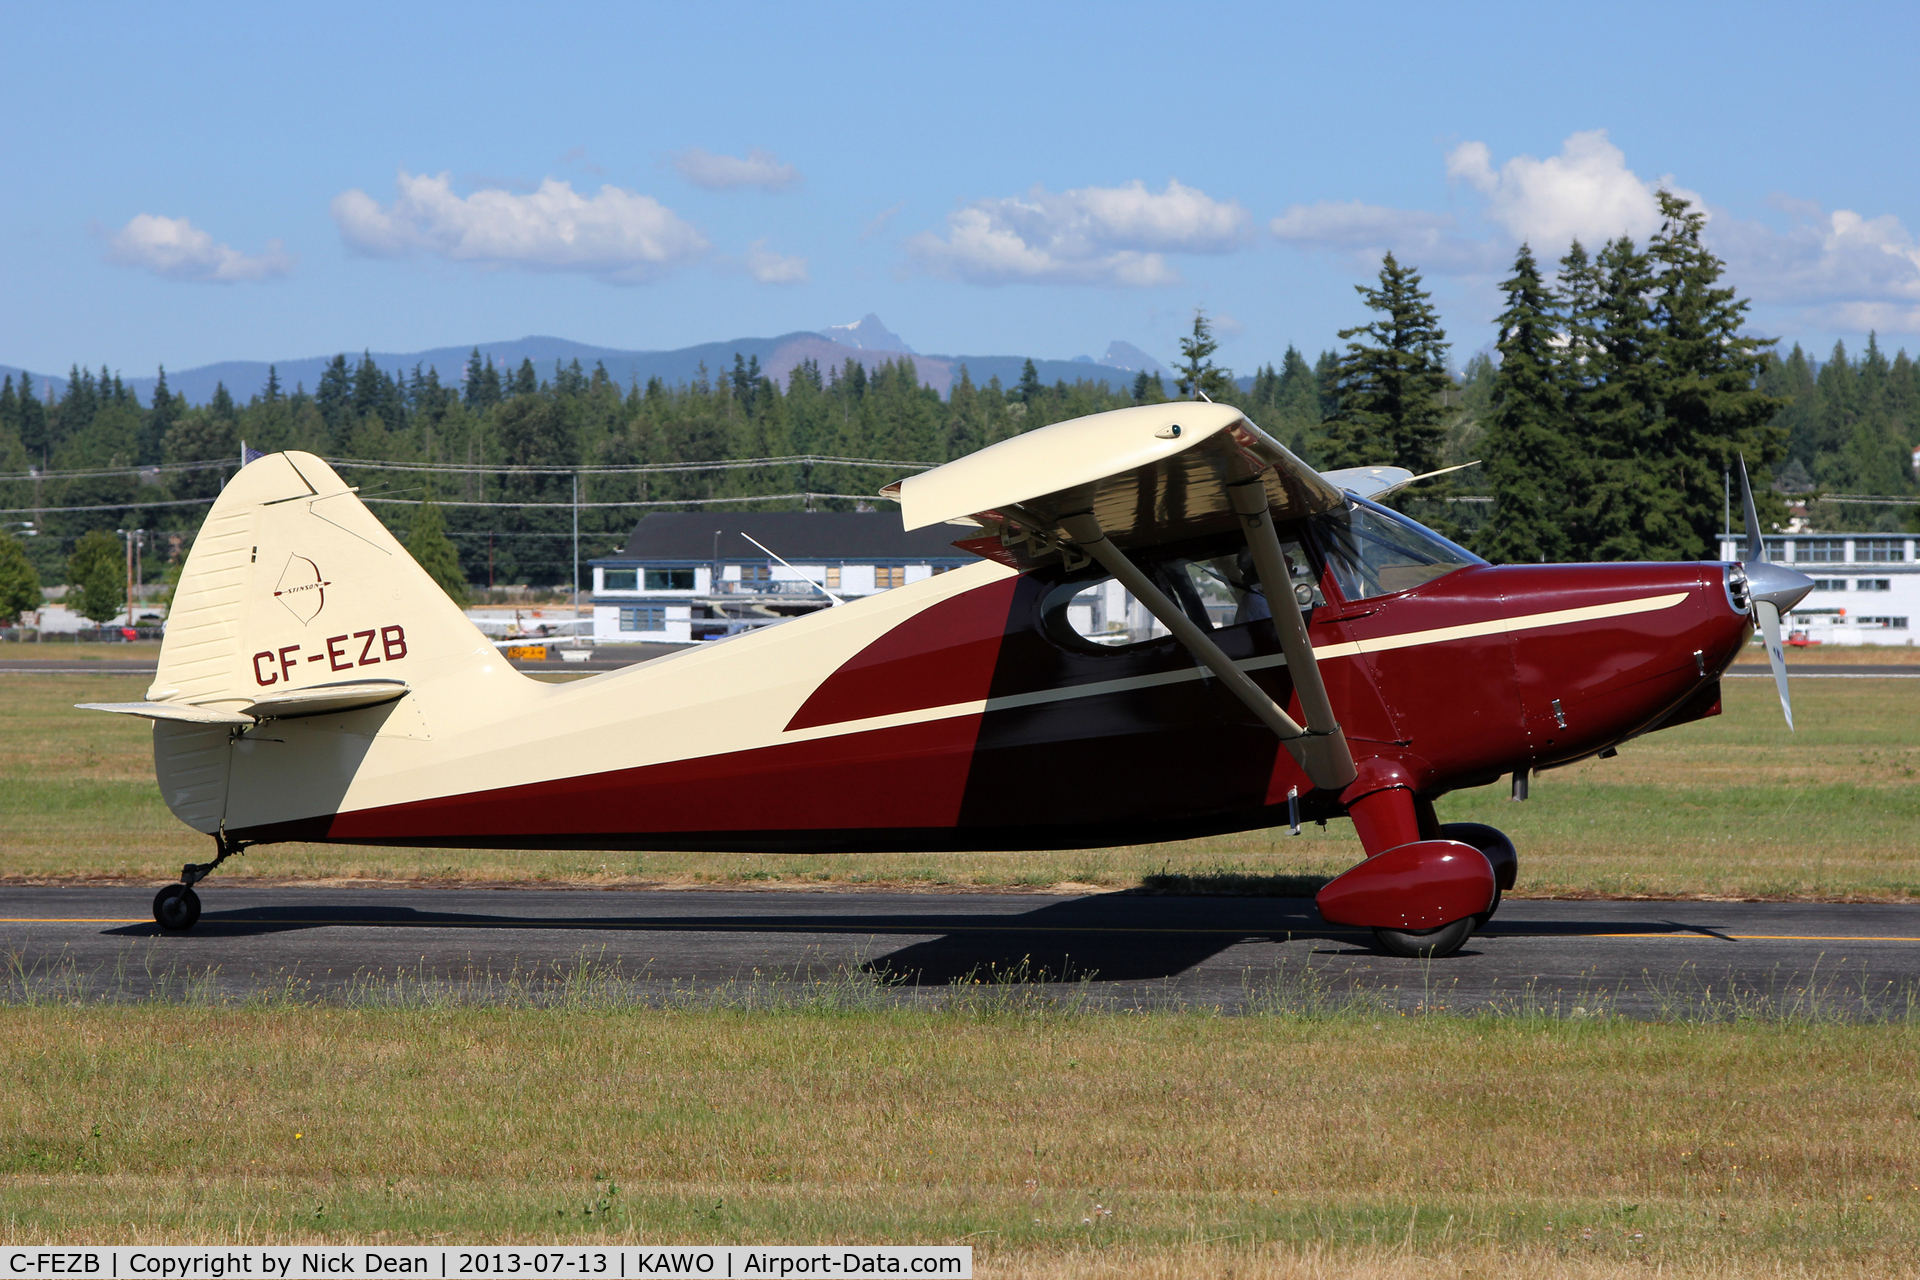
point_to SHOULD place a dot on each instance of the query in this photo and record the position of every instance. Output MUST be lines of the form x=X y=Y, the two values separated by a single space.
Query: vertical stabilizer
x=293 y=583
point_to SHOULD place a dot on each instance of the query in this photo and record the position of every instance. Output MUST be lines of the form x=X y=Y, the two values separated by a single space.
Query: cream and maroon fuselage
x=949 y=714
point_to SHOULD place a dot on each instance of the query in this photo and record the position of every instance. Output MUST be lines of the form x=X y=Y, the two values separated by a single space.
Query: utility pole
x=576 y=553
x=129 y=536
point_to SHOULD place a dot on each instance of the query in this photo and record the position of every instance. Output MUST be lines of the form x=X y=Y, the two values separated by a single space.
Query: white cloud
x=761 y=168
x=769 y=267
x=176 y=249
x=617 y=234
x=1366 y=231
x=1585 y=193
x=1093 y=235
x=1848 y=272
x=1840 y=270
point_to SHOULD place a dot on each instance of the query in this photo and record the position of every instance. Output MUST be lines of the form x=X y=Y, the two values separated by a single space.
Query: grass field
x=1733 y=806
x=1344 y=1142
x=1308 y=1139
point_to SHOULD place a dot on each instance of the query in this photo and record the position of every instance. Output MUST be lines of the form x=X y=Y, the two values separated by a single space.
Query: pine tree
x=19 y=581
x=1391 y=390
x=33 y=422
x=483 y=383
x=159 y=420
x=429 y=545
x=1198 y=374
x=1711 y=408
x=1029 y=388
x=1620 y=422
x=96 y=571
x=1529 y=457
x=334 y=399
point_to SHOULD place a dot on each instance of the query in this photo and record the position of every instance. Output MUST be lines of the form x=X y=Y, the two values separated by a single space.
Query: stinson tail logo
x=303 y=589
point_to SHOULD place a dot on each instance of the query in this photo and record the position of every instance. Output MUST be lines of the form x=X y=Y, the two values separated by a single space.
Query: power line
x=457 y=468
x=414 y=502
x=663 y=502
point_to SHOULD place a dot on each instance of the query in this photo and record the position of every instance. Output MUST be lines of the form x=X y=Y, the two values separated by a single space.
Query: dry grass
x=1900 y=655
x=1727 y=807
x=1055 y=1143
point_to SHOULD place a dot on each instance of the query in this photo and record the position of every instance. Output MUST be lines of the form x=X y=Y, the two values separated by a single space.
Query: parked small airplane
x=1323 y=657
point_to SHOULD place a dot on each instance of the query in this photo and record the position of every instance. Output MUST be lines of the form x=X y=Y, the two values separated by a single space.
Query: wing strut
x=1324 y=756
x=1084 y=528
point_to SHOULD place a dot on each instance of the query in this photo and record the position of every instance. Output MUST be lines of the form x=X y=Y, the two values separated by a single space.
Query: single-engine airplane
x=1323 y=657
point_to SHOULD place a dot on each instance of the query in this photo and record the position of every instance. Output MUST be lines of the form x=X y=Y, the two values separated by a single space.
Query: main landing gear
x=1425 y=887
x=176 y=908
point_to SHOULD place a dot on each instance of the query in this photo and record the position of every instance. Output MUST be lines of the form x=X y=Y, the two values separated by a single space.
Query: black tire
x=176 y=908
x=1493 y=845
x=1480 y=921
x=1427 y=944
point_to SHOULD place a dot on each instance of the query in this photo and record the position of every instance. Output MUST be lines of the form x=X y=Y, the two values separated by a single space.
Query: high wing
x=1099 y=486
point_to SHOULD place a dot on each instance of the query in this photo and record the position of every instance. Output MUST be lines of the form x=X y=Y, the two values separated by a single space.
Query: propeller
x=1773 y=588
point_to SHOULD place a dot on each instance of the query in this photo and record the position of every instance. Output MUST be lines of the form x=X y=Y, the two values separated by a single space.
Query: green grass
x=1733 y=806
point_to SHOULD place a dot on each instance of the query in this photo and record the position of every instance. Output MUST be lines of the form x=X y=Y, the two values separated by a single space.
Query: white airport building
x=1866 y=586
x=687 y=576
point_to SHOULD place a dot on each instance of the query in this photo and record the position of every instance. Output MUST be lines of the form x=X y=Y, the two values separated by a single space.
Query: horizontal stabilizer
x=323 y=699
x=180 y=711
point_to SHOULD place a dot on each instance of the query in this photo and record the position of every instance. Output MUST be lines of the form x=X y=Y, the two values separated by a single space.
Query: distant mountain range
x=867 y=341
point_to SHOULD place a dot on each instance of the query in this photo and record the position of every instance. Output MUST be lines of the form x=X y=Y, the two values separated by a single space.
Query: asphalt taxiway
x=1643 y=958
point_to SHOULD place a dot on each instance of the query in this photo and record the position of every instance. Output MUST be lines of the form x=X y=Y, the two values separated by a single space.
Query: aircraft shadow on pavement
x=1111 y=937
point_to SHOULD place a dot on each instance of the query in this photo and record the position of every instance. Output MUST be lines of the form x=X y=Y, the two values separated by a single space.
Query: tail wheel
x=176 y=908
x=1427 y=944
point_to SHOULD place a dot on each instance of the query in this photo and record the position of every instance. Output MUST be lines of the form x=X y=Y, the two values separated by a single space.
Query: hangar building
x=1866 y=586
x=691 y=575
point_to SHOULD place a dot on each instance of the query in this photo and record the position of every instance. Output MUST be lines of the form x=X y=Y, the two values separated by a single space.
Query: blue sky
x=194 y=183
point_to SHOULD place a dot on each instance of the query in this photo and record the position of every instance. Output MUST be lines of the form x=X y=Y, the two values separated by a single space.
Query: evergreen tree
x=1197 y=374
x=1029 y=388
x=428 y=543
x=159 y=420
x=333 y=397
x=1621 y=411
x=1529 y=457
x=1147 y=388
x=1711 y=408
x=1296 y=413
x=19 y=581
x=97 y=574
x=33 y=422
x=1391 y=389
x=9 y=412
x=482 y=390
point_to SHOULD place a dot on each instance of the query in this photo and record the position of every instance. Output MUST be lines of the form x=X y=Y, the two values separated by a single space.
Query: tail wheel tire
x=176 y=908
x=1427 y=944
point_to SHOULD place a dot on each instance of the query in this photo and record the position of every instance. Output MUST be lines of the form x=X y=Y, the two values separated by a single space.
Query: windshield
x=1375 y=552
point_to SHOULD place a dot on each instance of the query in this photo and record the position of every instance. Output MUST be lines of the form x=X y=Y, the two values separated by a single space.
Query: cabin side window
x=1213 y=591
x=1372 y=551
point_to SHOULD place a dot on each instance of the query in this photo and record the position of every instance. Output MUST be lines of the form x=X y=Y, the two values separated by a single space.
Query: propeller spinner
x=1773 y=588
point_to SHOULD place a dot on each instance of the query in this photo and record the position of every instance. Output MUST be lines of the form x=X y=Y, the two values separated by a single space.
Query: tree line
x=1622 y=386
